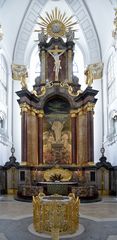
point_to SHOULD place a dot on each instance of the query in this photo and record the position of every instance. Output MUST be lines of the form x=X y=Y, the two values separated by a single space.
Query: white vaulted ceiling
x=18 y=20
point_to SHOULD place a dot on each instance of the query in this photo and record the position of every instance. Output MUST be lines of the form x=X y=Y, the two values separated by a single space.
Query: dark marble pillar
x=77 y=134
x=33 y=138
x=74 y=137
x=24 y=112
x=81 y=136
x=43 y=65
x=90 y=134
x=40 y=137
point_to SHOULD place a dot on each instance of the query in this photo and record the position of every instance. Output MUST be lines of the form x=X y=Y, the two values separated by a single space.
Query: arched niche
x=57 y=131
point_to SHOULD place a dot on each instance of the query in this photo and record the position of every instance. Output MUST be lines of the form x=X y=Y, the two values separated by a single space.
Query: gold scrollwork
x=49 y=84
x=71 y=92
x=64 y=84
x=43 y=91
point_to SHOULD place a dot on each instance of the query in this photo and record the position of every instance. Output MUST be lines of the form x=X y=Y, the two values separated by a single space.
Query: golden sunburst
x=56 y=24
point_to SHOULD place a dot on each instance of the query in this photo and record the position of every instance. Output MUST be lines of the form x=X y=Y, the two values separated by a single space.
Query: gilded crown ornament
x=56 y=24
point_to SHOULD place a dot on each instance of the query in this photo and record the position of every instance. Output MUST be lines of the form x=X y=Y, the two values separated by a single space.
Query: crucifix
x=56 y=53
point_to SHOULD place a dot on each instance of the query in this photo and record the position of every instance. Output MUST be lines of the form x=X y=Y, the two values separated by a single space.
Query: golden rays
x=56 y=24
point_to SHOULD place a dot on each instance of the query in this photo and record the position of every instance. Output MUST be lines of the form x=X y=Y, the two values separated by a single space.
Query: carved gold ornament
x=93 y=71
x=19 y=72
x=71 y=92
x=56 y=24
x=43 y=91
x=65 y=174
x=56 y=214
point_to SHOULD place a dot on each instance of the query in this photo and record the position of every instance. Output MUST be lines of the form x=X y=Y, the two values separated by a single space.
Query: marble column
x=40 y=136
x=24 y=113
x=43 y=68
x=74 y=137
x=33 y=141
x=81 y=137
x=70 y=65
x=90 y=132
x=77 y=133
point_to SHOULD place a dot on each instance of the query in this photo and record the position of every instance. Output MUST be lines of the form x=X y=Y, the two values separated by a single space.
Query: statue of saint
x=42 y=36
x=23 y=80
x=70 y=35
x=57 y=127
x=56 y=53
x=89 y=77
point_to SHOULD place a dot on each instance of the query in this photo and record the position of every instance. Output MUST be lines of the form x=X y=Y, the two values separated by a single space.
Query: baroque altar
x=56 y=116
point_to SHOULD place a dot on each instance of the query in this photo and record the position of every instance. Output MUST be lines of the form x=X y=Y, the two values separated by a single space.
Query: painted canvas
x=57 y=133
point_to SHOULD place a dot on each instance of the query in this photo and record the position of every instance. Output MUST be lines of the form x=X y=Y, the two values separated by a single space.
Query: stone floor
x=98 y=219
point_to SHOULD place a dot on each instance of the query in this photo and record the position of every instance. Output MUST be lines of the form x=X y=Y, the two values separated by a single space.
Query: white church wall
x=16 y=121
x=6 y=132
x=97 y=120
x=110 y=122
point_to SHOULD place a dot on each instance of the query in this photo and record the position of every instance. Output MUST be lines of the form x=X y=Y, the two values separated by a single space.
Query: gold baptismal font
x=56 y=214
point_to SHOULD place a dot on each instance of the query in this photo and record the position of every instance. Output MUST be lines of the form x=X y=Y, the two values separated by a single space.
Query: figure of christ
x=57 y=127
x=56 y=53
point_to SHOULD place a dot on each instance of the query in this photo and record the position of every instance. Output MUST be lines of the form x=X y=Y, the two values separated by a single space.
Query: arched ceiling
x=95 y=18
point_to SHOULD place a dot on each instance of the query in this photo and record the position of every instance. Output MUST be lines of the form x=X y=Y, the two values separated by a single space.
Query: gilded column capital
x=73 y=113
x=80 y=111
x=24 y=107
x=33 y=111
x=89 y=107
x=40 y=113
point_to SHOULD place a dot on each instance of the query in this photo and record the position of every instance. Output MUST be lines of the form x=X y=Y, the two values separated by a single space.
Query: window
x=34 y=67
x=112 y=73
x=78 y=65
x=2 y=121
x=3 y=96
x=3 y=81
